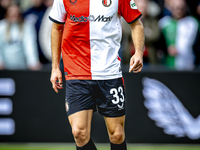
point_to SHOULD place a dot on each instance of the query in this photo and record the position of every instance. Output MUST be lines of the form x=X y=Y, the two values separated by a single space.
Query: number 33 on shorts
x=118 y=97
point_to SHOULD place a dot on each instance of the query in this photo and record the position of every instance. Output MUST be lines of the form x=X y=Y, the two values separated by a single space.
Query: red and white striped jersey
x=92 y=36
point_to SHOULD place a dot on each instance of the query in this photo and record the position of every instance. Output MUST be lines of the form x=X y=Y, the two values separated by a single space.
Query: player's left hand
x=136 y=63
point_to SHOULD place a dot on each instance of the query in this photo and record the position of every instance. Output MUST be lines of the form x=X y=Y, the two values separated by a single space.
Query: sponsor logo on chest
x=92 y=18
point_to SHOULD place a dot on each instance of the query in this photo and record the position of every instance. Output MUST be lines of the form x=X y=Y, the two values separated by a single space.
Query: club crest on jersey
x=106 y=3
x=73 y=1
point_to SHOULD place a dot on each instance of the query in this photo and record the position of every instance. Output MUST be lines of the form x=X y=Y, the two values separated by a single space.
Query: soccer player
x=88 y=32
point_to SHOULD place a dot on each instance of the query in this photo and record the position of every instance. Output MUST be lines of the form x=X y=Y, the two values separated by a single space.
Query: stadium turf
x=99 y=146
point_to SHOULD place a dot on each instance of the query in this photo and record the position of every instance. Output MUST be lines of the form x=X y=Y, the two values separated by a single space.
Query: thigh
x=81 y=120
x=115 y=125
x=81 y=126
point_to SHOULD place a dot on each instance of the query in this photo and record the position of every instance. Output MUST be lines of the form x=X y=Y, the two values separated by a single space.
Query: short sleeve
x=58 y=12
x=129 y=11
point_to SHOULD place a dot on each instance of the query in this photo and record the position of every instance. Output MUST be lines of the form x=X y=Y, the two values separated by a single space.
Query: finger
x=138 y=70
x=60 y=81
x=58 y=86
x=138 y=67
x=133 y=66
x=54 y=86
x=53 y=81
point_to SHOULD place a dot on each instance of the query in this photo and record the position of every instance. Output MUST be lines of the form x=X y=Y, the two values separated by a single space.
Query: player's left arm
x=137 y=33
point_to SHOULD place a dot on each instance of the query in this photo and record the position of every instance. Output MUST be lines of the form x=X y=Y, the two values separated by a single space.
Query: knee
x=80 y=134
x=117 y=137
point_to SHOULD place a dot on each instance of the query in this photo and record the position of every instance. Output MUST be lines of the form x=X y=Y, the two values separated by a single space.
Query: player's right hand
x=56 y=79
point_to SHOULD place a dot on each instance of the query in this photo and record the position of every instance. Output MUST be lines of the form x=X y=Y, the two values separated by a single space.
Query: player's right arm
x=56 y=39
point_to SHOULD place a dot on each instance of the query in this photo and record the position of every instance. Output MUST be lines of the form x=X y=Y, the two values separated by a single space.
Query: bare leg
x=115 y=127
x=81 y=126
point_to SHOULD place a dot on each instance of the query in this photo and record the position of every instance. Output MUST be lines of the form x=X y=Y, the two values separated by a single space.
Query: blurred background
x=163 y=101
x=171 y=35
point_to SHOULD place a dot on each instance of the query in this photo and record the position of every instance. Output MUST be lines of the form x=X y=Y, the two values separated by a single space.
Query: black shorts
x=106 y=96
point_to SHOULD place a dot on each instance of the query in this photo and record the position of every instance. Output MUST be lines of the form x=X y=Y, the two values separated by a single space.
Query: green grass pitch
x=57 y=146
